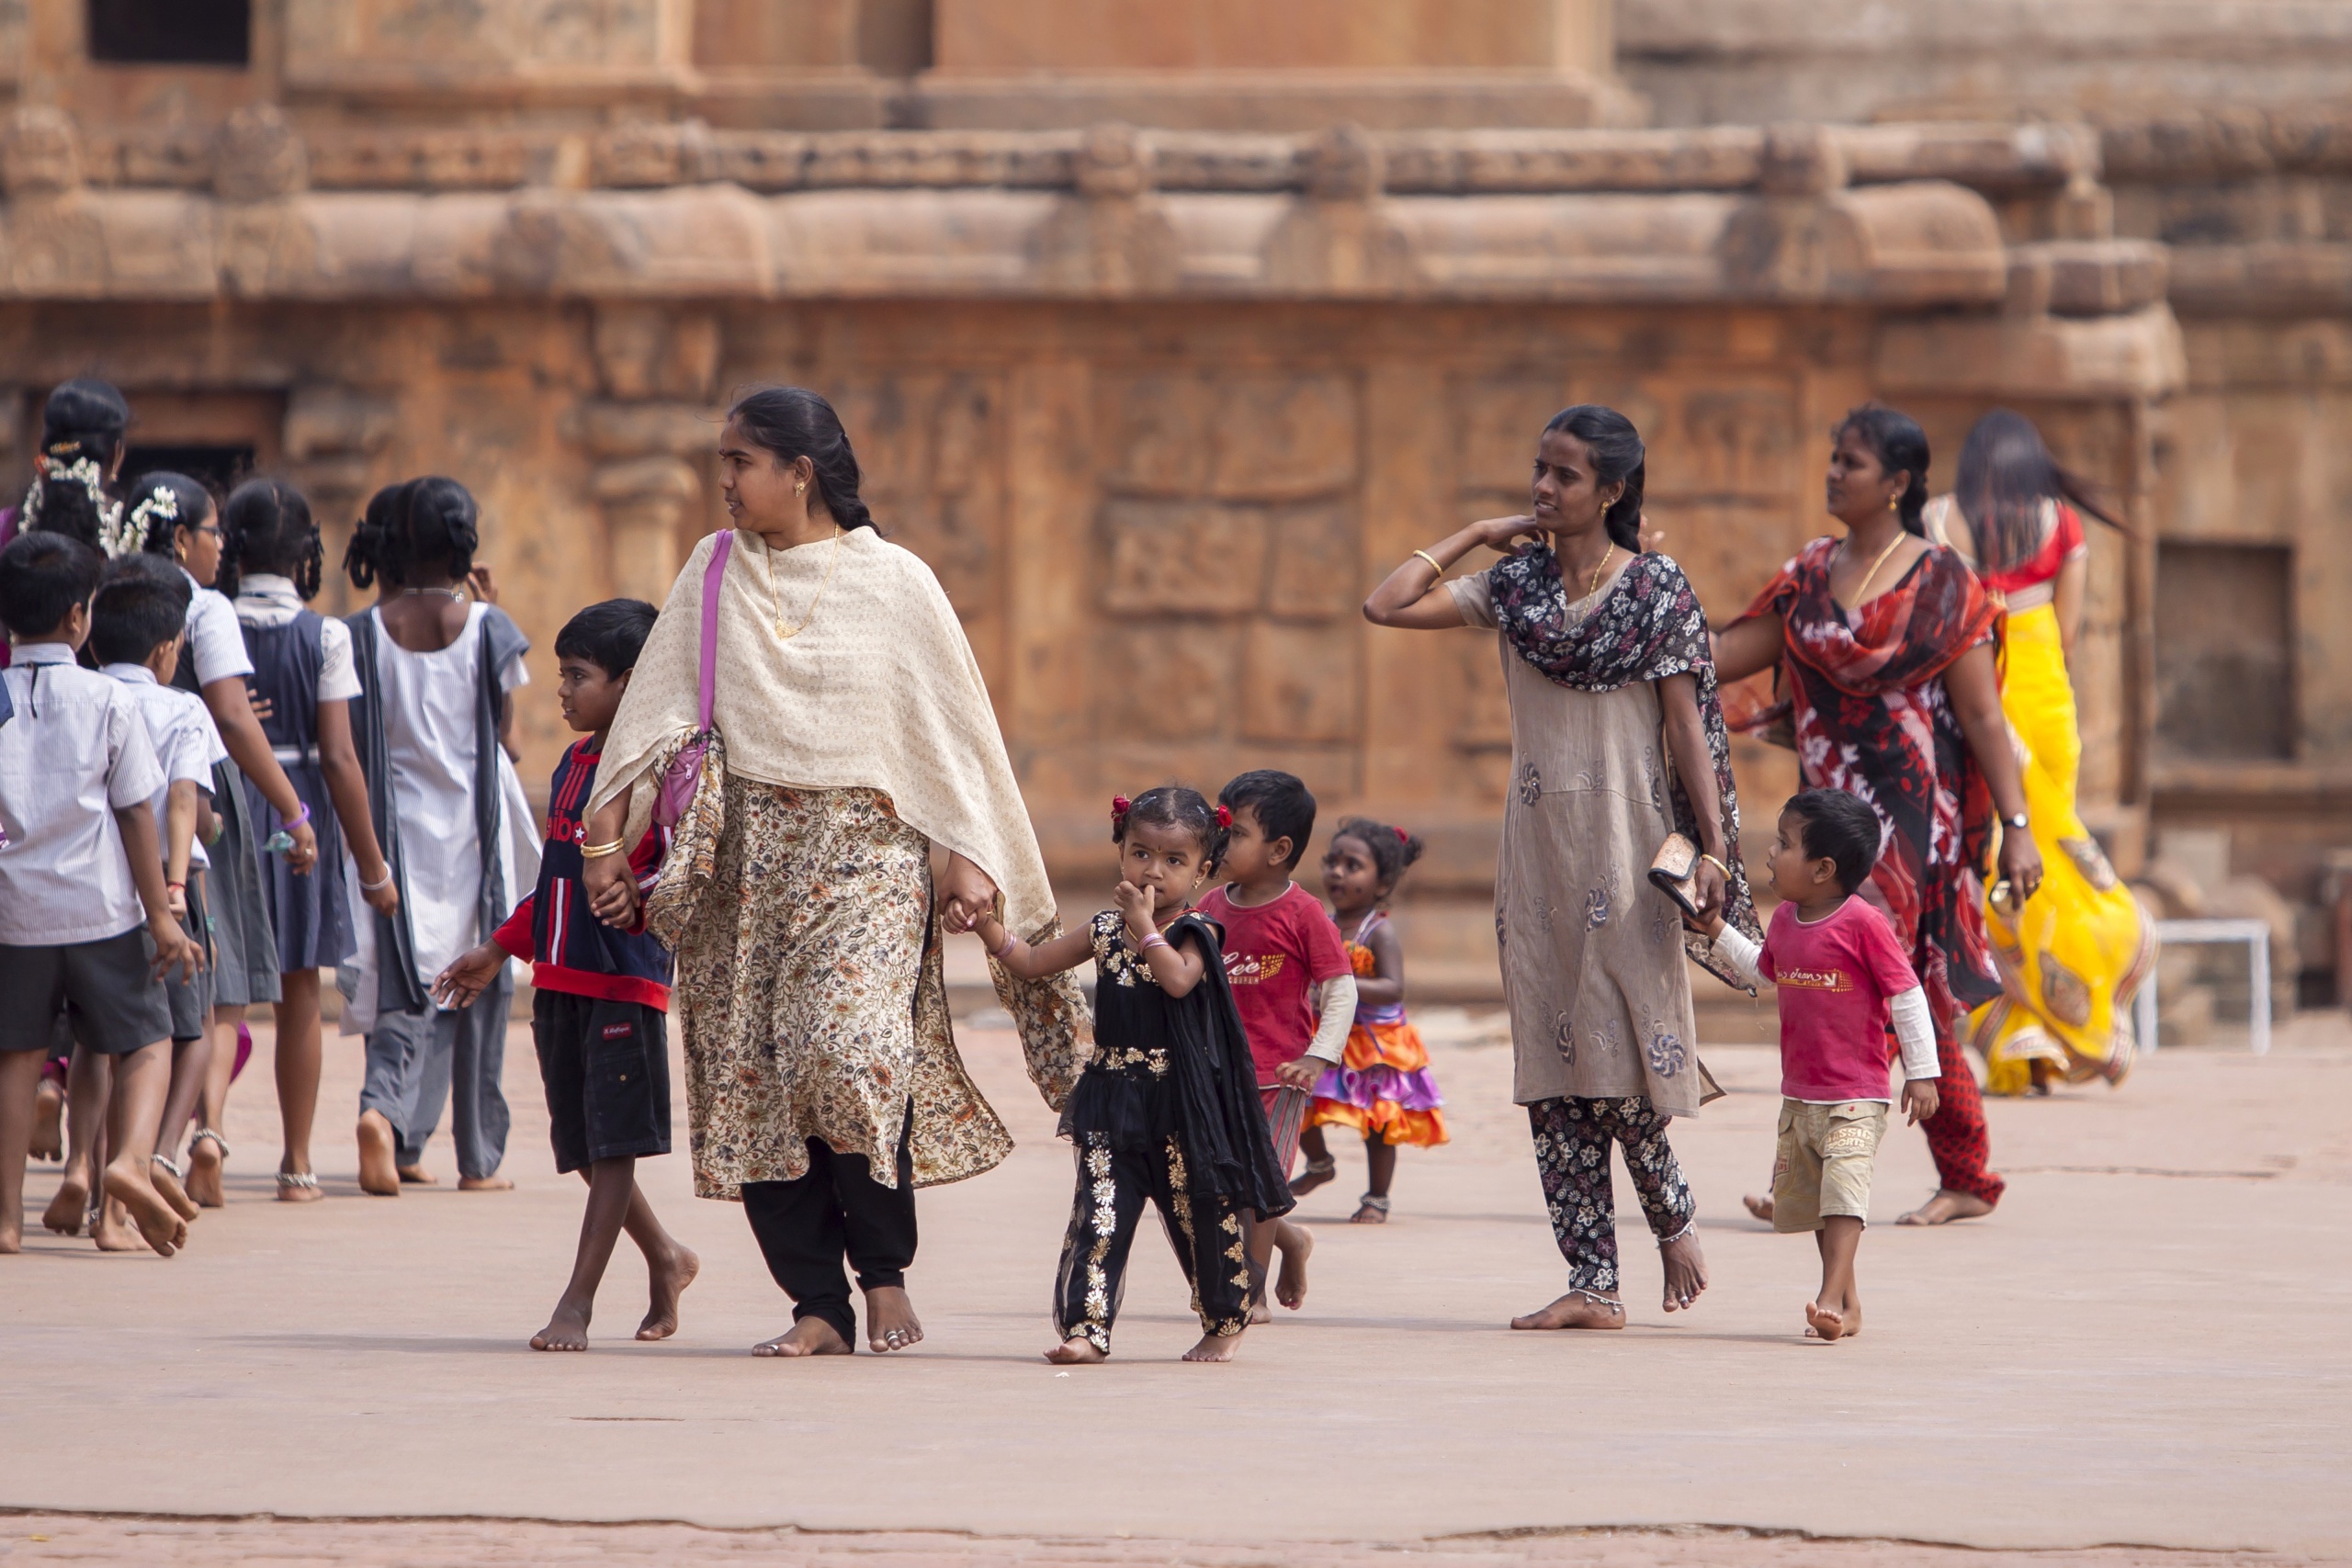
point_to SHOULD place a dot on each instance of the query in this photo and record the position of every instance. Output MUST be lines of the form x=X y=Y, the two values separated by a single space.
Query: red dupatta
x=1863 y=698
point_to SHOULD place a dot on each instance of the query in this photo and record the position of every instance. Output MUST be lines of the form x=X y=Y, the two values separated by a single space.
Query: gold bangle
x=1718 y=865
x=598 y=851
x=1433 y=562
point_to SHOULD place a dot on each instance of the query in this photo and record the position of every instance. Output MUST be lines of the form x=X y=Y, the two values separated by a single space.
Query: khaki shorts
x=1821 y=1166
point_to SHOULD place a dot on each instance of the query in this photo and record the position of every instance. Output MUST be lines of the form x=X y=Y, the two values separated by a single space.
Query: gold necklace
x=1893 y=545
x=1593 y=587
x=776 y=590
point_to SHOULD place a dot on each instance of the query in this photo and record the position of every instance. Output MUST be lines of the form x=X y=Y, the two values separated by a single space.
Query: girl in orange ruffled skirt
x=1382 y=1087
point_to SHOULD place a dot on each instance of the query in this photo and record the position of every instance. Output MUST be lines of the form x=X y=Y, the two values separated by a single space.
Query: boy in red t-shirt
x=1841 y=976
x=1281 y=948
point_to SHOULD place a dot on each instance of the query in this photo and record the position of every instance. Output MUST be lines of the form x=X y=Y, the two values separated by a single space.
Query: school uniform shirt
x=1836 y=978
x=570 y=949
x=187 y=744
x=76 y=752
x=265 y=599
x=1277 y=955
x=215 y=644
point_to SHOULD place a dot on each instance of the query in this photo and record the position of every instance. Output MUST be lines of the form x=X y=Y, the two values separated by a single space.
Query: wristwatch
x=2018 y=822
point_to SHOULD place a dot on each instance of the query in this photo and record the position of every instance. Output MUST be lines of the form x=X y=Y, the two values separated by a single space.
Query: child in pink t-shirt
x=1280 y=950
x=1841 y=976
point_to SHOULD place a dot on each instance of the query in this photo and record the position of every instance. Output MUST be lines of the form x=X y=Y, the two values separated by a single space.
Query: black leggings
x=1204 y=1229
x=806 y=1227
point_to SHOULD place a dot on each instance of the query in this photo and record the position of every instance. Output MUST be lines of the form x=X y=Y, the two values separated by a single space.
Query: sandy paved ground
x=2145 y=1346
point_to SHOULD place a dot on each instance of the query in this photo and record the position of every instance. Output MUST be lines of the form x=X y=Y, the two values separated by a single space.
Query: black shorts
x=607 y=1068
x=118 y=1004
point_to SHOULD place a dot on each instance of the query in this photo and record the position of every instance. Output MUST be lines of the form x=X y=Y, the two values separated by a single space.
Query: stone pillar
x=657 y=366
x=334 y=440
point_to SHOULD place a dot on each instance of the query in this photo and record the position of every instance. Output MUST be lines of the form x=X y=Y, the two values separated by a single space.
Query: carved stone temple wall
x=1159 y=342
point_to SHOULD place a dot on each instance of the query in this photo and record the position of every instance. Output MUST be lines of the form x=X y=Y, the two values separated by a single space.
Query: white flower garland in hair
x=112 y=537
x=160 y=504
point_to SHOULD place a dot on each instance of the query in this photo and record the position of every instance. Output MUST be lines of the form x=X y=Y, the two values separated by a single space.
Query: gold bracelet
x=1718 y=865
x=598 y=851
x=1432 y=561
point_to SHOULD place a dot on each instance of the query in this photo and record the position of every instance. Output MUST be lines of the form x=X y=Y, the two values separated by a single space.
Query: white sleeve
x=338 y=681
x=1339 y=1016
x=1916 y=1030
x=187 y=759
x=215 y=639
x=133 y=775
x=1735 y=948
x=513 y=674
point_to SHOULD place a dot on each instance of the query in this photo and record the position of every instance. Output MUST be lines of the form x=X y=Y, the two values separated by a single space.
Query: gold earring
x=802 y=486
x=1894 y=502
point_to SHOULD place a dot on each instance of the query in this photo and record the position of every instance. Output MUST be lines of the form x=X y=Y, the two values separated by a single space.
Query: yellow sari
x=2073 y=956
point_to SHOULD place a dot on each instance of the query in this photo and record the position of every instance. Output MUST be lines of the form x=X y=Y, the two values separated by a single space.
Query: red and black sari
x=1861 y=694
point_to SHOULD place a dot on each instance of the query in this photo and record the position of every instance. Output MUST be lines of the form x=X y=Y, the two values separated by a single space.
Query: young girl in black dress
x=1168 y=1108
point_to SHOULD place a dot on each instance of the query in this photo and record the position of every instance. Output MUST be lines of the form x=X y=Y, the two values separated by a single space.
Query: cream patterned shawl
x=878 y=691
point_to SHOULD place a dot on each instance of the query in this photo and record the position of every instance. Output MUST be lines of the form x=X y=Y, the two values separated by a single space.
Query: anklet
x=1597 y=1298
x=1691 y=1225
x=1375 y=1202
x=165 y=1161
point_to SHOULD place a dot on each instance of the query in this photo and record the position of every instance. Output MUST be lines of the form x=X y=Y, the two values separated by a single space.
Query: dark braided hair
x=1895 y=439
x=424 y=522
x=1617 y=454
x=170 y=502
x=1174 y=806
x=1392 y=848
x=82 y=420
x=791 y=423
x=269 y=523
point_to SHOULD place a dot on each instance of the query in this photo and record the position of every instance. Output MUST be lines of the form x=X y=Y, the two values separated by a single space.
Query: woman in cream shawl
x=851 y=734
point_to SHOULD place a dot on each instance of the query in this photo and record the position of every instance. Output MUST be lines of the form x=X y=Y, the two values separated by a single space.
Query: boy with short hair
x=138 y=623
x=81 y=872
x=603 y=989
x=1841 y=976
x=1281 y=948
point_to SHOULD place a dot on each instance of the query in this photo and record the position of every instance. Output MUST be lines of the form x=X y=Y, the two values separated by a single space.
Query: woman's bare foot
x=1686 y=1271
x=1215 y=1347
x=298 y=1187
x=417 y=1176
x=49 y=1121
x=1761 y=1208
x=1945 y=1207
x=1823 y=1321
x=110 y=1228
x=567 y=1330
x=380 y=1173
x=71 y=1204
x=167 y=1182
x=1076 y=1352
x=126 y=1179
x=1369 y=1214
x=669 y=1279
x=890 y=1321
x=810 y=1337
x=1313 y=1177
x=1296 y=1244
x=204 y=1162
x=481 y=1183
x=1576 y=1310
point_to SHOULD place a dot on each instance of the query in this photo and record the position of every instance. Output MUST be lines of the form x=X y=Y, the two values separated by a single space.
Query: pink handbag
x=685 y=774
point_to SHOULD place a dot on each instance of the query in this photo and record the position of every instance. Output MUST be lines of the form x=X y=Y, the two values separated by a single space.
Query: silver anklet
x=1691 y=1225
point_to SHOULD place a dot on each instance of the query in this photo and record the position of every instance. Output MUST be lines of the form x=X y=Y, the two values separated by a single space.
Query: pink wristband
x=1154 y=940
x=998 y=952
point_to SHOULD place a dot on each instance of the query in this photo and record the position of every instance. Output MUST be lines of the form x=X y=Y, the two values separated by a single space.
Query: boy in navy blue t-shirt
x=600 y=1016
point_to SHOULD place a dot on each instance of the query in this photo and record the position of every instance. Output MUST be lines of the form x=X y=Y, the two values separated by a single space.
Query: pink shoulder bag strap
x=684 y=773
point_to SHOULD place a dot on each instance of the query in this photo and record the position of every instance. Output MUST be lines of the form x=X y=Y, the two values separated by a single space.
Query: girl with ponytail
x=303 y=671
x=81 y=451
x=1617 y=742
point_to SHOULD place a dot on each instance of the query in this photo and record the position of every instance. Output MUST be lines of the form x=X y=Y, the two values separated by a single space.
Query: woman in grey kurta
x=1617 y=741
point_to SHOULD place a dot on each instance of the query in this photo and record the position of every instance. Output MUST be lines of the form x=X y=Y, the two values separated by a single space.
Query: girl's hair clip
x=1224 y=815
x=1120 y=806
x=1402 y=835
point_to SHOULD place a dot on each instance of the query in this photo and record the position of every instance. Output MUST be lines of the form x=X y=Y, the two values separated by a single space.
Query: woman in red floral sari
x=1887 y=681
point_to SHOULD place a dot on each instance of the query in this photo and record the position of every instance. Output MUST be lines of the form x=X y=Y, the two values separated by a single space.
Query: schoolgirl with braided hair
x=1167 y=1110
x=304 y=674
x=82 y=426
x=437 y=663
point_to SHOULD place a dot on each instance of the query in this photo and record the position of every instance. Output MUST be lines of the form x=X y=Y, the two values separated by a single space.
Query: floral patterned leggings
x=1114 y=1188
x=1572 y=1138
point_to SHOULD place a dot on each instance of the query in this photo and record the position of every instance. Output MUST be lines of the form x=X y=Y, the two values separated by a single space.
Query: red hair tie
x=1224 y=815
x=1402 y=835
x=1120 y=806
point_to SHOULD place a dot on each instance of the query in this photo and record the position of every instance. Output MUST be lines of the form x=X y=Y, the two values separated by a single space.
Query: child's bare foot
x=1945 y=1207
x=1314 y=1176
x=12 y=1237
x=1076 y=1351
x=669 y=1278
x=110 y=1228
x=379 y=1175
x=890 y=1321
x=1823 y=1321
x=567 y=1330
x=1371 y=1211
x=417 y=1176
x=49 y=1121
x=1576 y=1310
x=126 y=1179
x=1759 y=1207
x=478 y=1183
x=1259 y=1312
x=810 y=1337
x=65 y=1212
x=1215 y=1347
x=166 y=1178
x=205 y=1154
x=1686 y=1270
x=1296 y=1244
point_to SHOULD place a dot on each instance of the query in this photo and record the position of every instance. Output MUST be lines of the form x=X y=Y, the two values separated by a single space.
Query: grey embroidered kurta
x=1592 y=963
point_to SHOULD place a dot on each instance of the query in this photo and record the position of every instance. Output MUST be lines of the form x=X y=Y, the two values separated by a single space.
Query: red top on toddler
x=1835 y=976
x=1275 y=954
